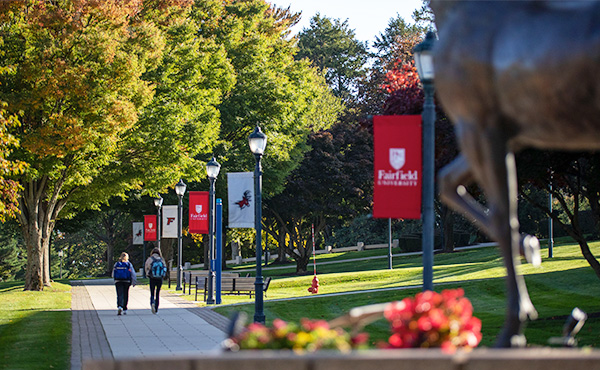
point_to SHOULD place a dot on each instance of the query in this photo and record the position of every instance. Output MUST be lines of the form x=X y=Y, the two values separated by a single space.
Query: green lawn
x=35 y=327
x=562 y=283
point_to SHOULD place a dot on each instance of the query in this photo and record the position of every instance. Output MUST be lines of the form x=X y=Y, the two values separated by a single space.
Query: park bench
x=192 y=278
x=236 y=286
x=188 y=277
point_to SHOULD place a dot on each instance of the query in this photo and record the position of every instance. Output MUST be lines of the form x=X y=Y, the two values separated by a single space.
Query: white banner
x=169 y=222
x=138 y=233
x=240 y=187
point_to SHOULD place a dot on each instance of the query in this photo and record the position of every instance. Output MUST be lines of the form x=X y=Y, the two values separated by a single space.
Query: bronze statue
x=514 y=74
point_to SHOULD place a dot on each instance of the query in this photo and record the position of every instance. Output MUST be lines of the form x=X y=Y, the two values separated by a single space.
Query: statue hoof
x=531 y=250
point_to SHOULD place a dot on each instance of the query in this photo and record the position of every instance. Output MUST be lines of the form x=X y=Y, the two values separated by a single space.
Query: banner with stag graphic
x=138 y=233
x=240 y=187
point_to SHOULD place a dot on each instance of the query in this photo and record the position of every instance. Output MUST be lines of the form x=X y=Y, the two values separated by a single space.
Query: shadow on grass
x=36 y=340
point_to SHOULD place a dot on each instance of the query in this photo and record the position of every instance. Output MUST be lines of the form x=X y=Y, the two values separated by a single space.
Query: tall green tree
x=81 y=74
x=332 y=46
x=285 y=96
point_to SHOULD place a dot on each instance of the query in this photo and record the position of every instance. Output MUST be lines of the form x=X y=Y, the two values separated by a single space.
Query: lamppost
x=158 y=201
x=424 y=62
x=258 y=141
x=180 y=190
x=212 y=171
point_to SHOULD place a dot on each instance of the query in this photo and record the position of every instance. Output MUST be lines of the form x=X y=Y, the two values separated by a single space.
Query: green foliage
x=286 y=97
x=332 y=47
x=333 y=182
x=12 y=252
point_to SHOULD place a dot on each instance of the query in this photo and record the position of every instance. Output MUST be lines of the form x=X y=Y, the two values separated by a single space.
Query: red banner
x=149 y=228
x=398 y=166
x=199 y=212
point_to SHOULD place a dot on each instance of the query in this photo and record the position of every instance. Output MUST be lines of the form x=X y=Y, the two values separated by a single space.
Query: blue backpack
x=121 y=271
x=157 y=269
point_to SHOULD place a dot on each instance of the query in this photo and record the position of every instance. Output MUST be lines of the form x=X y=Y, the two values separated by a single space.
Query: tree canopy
x=80 y=77
x=332 y=47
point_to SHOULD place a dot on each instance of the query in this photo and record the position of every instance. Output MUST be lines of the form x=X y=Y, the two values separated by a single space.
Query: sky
x=368 y=18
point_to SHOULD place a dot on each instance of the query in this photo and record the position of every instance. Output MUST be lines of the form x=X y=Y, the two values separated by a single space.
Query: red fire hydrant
x=314 y=287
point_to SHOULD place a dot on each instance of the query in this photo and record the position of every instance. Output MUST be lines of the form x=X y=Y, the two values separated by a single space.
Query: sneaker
x=124 y=312
x=153 y=308
x=119 y=310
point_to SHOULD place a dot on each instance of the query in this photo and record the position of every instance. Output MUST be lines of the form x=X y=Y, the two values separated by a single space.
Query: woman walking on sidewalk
x=156 y=269
x=124 y=275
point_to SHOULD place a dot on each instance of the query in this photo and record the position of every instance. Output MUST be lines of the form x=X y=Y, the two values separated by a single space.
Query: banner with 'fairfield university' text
x=398 y=166
x=149 y=228
x=199 y=212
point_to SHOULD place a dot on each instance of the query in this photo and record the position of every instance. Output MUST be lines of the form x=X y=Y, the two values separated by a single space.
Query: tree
x=406 y=97
x=332 y=183
x=285 y=96
x=574 y=179
x=332 y=47
x=81 y=73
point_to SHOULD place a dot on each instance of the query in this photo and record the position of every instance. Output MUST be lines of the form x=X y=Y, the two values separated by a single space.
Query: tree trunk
x=38 y=212
x=448 y=229
x=281 y=258
x=34 y=279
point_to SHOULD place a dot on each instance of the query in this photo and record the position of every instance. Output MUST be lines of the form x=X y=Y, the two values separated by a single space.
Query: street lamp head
x=158 y=201
x=424 y=57
x=257 y=141
x=212 y=168
x=180 y=188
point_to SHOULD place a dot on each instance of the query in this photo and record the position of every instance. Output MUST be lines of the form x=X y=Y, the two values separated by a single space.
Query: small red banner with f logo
x=398 y=166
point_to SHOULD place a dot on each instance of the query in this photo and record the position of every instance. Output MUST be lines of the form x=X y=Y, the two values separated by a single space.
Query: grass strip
x=35 y=327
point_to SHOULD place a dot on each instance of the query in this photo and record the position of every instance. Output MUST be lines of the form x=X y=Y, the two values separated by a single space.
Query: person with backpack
x=124 y=275
x=156 y=269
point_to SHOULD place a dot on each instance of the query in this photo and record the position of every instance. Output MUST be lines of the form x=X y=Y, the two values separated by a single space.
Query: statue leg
x=487 y=161
x=452 y=182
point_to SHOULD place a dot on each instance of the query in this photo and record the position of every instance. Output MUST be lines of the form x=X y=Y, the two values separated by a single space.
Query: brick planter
x=480 y=359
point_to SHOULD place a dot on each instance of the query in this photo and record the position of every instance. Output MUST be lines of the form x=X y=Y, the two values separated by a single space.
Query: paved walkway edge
x=88 y=339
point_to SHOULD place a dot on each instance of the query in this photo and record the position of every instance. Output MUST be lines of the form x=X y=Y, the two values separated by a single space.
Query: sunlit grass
x=35 y=327
x=560 y=284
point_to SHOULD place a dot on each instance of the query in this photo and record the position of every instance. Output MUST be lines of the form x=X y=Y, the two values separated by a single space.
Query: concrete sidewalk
x=179 y=327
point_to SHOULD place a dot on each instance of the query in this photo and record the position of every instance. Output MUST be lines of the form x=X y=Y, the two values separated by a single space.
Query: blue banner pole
x=219 y=248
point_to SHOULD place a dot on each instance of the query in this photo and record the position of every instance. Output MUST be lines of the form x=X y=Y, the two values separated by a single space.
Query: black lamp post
x=158 y=201
x=258 y=141
x=424 y=62
x=180 y=190
x=212 y=171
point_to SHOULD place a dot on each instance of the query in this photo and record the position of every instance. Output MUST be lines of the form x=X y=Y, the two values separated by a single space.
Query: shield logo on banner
x=198 y=208
x=397 y=157
x=150 y=225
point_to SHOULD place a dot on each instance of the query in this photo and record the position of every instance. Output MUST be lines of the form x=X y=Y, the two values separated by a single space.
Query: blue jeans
x=122 y=293
x=155 y=285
